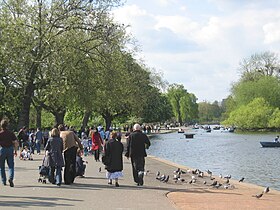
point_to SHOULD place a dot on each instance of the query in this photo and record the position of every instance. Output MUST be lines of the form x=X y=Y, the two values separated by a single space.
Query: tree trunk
x=25 y=107
x=108 y=120
x=59 y=117
x=38 y=116
x=86 y=119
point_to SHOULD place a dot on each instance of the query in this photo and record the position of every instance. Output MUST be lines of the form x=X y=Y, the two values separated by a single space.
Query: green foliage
x=255 y=115
x=183 y=104
x=274 y=121
x=209 y=113
x=266 y=87
x=157 y=108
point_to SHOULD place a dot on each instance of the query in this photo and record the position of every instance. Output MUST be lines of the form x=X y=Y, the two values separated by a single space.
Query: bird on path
x=177 y=171
x=166 y=179
x=209 y=172
x=227 y=181
x=227 y=177
x=217 y=185
x=258 y=195
x=214 y=183
x=242 y=179
x=162 y=178
x=266 y=190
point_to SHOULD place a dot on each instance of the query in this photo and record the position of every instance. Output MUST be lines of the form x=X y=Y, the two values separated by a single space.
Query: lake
x=238 y=155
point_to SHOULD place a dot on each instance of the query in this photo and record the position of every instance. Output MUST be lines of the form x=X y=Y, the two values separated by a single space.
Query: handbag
x=105 y=159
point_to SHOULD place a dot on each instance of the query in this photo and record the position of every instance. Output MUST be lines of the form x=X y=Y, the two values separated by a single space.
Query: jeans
x=57 y=178
x=7 y=154
x=38 y=146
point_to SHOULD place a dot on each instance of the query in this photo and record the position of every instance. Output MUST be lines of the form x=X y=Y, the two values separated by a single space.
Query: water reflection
x=240 y=155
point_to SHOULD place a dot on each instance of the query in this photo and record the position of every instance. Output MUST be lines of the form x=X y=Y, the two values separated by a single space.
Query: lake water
x=238 y=155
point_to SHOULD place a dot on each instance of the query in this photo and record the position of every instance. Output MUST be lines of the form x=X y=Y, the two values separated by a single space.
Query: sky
x=200 y=43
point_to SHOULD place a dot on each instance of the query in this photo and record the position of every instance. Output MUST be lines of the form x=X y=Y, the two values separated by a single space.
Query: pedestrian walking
x=138 y=142
x=8 y=149
x=71 y=143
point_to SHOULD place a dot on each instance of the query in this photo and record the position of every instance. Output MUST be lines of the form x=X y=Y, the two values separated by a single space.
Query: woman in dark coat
x=113 y=159
x=54 y=148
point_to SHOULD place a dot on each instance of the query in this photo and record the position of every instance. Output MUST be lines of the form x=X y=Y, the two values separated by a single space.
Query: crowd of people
x=64 y=149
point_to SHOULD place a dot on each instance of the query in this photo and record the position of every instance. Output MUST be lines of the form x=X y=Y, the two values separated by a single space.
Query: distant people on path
x=85 y=143
x=97 y=143
x=23 y=137
x=31 y=141
x=276 y=139
x=113 y=159
x=54 y=149
x=45 y=137
x=39 y=137
x=71 y=142
x=25 y=154
x=8 y=149
x=138 y=142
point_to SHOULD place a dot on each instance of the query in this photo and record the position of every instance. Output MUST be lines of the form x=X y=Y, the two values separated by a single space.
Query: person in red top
x=97 y=142
x=8 y=149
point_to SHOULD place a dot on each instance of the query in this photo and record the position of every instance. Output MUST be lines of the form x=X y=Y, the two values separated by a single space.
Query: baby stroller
x=44 y=170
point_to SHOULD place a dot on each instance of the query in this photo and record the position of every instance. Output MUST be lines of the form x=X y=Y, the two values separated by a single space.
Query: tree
x=262 y=64
x=183 y=104
x=255 y=115
x=274 y=121
x=33 y=34
x=267 y=87
x=157 y=107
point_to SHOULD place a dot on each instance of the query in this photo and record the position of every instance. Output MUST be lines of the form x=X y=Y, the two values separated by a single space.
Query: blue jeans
x=7 y=154
x=57 y=177
x=38 y=146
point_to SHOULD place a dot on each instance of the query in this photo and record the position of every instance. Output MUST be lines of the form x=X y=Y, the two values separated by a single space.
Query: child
x=25 y=154
x=85 y=143
x=80 y=165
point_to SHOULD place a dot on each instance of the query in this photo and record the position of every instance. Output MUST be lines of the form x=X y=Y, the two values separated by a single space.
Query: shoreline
x=239 y=197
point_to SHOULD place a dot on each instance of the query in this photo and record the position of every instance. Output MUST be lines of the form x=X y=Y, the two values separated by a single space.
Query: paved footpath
x=93 y=192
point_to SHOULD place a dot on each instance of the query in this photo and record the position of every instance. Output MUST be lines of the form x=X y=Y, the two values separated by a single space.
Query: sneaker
x=140 y=177
x=11 y=183
x=117 y=184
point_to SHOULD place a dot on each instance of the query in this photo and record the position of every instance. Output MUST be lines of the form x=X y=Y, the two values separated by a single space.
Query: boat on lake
x=189 y=135
x=181 y=130
x=270 y=144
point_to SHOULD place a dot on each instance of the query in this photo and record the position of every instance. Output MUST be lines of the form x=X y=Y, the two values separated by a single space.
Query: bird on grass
x=258 y=196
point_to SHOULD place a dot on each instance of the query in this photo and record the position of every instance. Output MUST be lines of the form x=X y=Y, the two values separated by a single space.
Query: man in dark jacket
x=136 y=151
